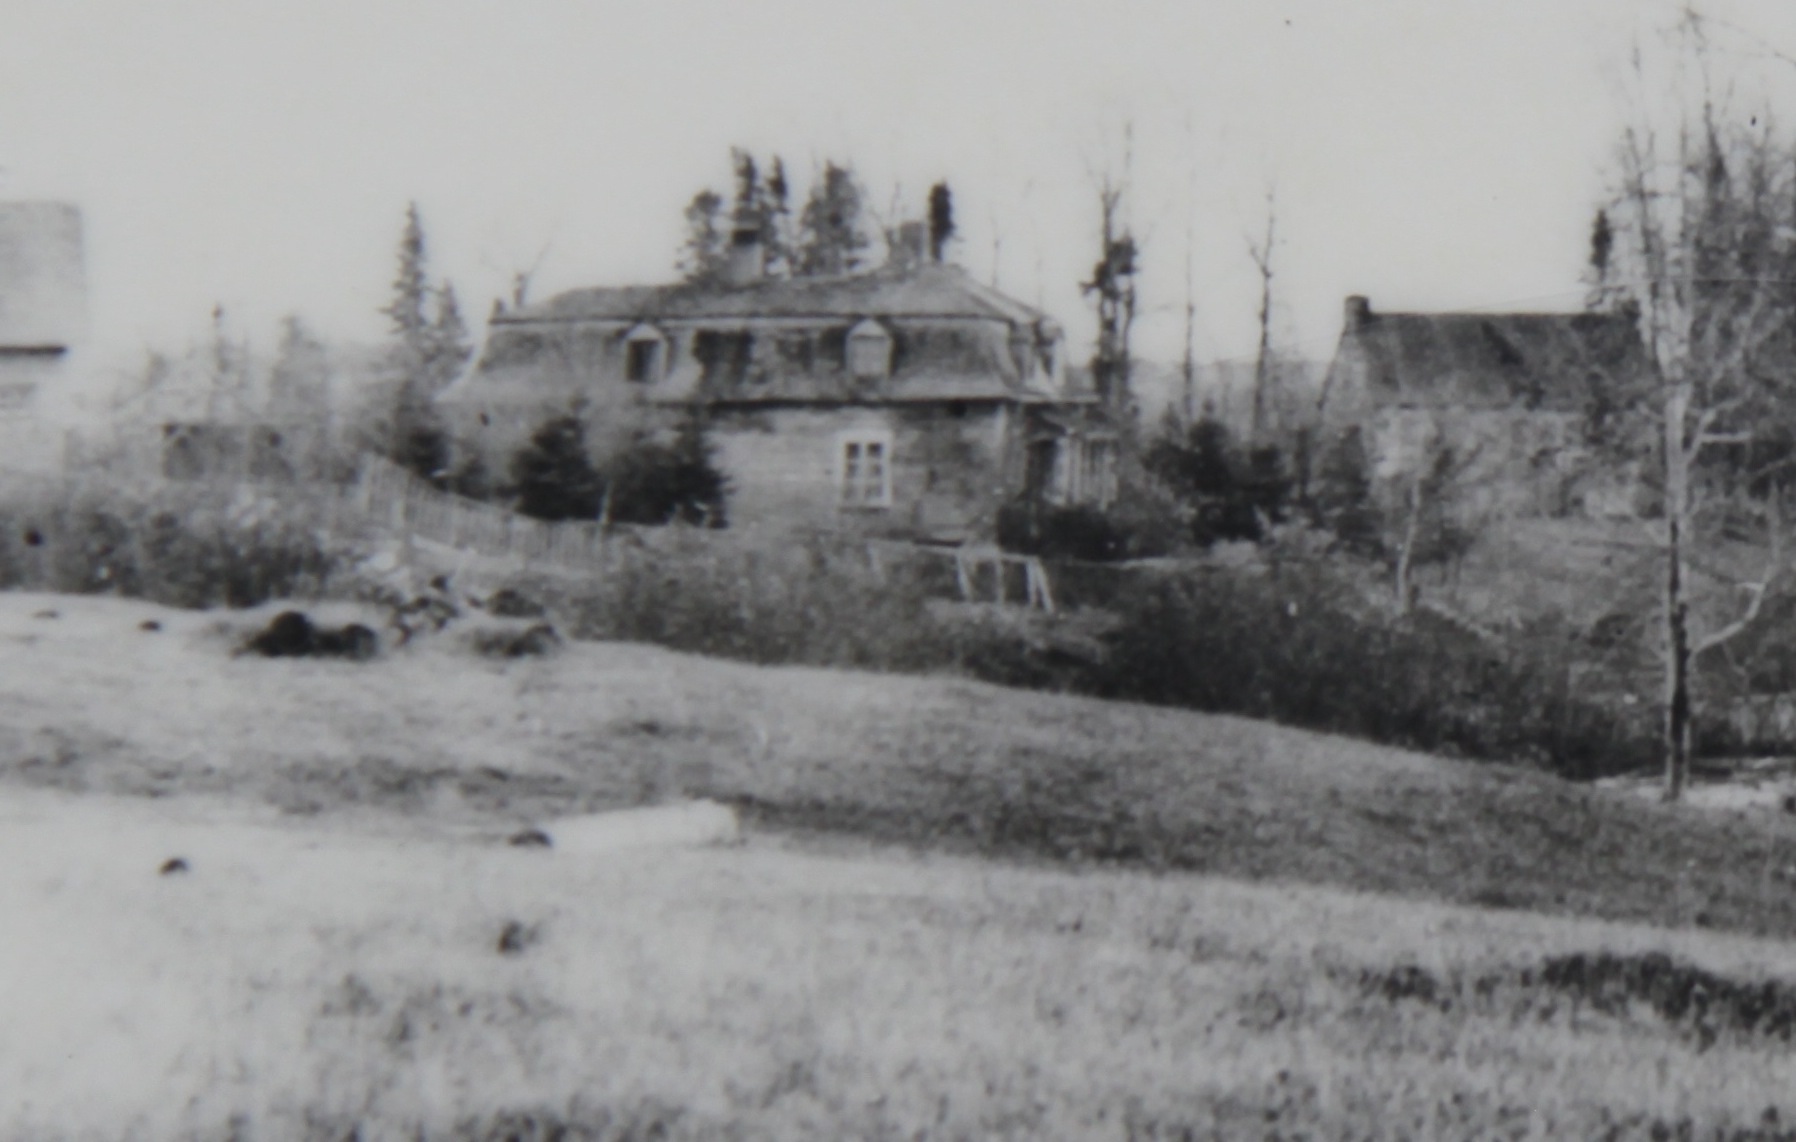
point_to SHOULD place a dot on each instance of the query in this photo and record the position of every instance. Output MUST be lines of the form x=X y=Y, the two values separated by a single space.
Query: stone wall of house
x=950 y=467
x=1503 y=462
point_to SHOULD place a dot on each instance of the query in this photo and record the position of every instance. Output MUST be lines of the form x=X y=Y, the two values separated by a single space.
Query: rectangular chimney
x=747 y=259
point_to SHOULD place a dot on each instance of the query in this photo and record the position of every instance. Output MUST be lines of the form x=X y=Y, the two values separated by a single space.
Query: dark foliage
x=553 y=476
x=1300 y=648
x=510 y=603
x=1235 y=493
x=654 y=483
x=1342 y=495
x=182 y=550
x=652 y=480
x=832 y=236
x=1078 y=531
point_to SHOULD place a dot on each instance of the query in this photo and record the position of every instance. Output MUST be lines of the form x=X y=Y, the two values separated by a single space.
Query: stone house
x=909 y=401
x=1519 y=398
x=43 y=320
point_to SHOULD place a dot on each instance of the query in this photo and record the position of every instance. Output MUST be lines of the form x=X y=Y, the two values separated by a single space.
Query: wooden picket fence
x=397 y=502
x=389 y=497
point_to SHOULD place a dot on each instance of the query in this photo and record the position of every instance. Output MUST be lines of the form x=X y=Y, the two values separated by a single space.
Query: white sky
x=1429 y=154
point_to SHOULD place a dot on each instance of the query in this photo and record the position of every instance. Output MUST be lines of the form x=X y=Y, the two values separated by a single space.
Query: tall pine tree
x=832 y=237
x=705 y=255
x=418 y=439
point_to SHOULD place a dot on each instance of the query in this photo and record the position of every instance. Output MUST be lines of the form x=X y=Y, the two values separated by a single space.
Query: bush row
x=190 y=548
x=1296 y=644
x=1293 y=643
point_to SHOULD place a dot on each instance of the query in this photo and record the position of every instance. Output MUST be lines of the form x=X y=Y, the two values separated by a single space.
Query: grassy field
x=436 y=732
x=1362 y=962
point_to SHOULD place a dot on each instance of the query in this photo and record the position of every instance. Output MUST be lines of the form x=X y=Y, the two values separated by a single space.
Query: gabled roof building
x=1518 y=396
x=909 y=401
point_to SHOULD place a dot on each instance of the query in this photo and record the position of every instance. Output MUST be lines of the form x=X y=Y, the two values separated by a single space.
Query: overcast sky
x=1431 y=155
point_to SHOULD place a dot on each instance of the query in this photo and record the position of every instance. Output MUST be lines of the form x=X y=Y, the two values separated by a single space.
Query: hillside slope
x=89 y=700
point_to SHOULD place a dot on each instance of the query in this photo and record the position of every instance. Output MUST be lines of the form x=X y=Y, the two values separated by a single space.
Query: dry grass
x=307 y=981
x=439 y=732
x=330 y=966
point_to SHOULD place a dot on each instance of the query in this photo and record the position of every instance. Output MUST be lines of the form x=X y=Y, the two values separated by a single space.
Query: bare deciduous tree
x=1703 y=234
x=1261 y=252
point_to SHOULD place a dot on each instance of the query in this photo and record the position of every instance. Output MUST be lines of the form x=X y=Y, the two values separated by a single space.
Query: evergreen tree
x=1605 y=294
x=706 y=253
x=299 y=397
x=832 y=236
x=941 y=220
x=553 y=475
x=299 y=381
x=650 y=482
x=448 y=348
x=411 y=286
x=425 y=355
x=776 y=221
x=1343 y=498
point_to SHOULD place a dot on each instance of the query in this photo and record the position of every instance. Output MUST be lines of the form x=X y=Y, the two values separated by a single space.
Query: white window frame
x=856 y=453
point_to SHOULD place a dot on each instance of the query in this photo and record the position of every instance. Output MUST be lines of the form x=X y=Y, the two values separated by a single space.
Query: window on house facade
x=1071 y=470
x=645 y=355
x=866 y=470
x=723 y=355
x=869 y=351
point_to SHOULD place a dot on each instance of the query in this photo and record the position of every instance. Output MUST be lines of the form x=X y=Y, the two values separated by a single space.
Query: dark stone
x=287 y=635
x=149 y=624
x=353 y=641
x=291 y=634
x=173 y=866
x=536 y=639
x=517 y=936
x=507 y=603
x=530 y=839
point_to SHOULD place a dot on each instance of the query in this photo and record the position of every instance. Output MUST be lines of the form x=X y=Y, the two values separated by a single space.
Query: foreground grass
x=322 y=979
x=91 y=702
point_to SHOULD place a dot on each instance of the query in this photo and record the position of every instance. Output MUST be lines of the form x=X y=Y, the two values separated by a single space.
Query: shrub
x=1140 y=525
x=1078 y=531
x=650 y=480
x=1300 y=647
x=1233 y=492
x=187 y=547
x=655 y=482
x=553 y=477
x=811 y=601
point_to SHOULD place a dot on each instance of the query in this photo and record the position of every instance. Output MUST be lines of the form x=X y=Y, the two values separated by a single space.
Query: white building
x=43 y=321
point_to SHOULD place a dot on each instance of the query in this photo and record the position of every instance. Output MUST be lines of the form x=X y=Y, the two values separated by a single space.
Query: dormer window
x=869 y=351
x=645 y=354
